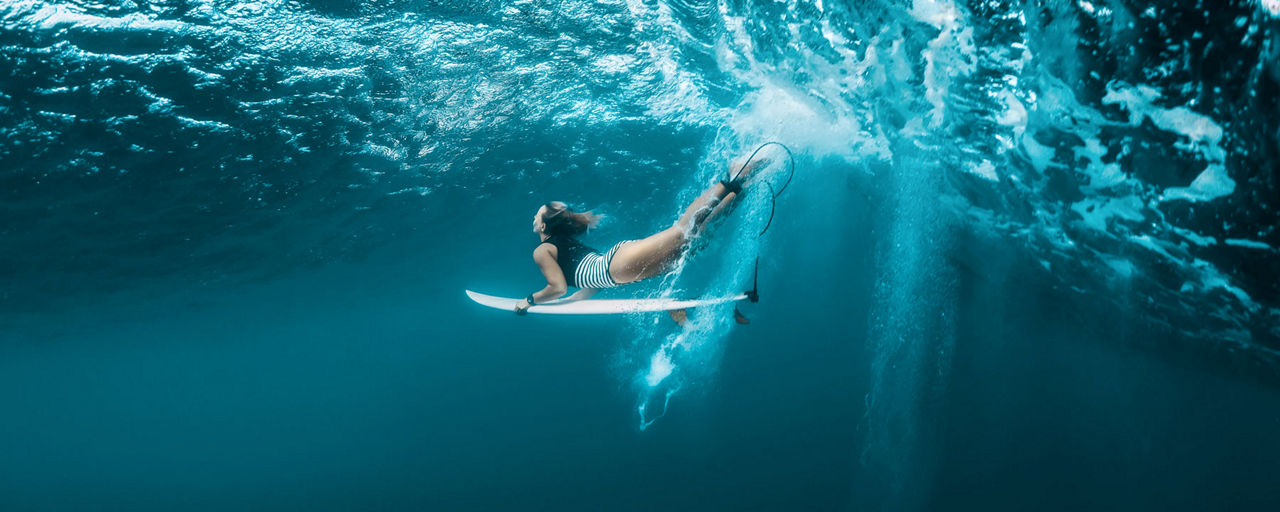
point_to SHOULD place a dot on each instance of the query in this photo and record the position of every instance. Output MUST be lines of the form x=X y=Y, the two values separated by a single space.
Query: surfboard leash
x=773 y=196
x=791 y=170
x=753 y=294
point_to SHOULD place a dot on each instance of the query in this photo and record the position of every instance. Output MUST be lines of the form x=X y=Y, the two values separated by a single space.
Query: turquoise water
x=1027 y=261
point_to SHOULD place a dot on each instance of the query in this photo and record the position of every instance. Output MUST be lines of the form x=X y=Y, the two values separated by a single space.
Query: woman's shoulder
x=546 y=247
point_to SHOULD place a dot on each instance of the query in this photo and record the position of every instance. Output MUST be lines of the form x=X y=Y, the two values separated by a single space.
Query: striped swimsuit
x=584 y=267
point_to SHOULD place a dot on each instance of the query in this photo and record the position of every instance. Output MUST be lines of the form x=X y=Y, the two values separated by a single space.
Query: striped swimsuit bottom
x=593 y=270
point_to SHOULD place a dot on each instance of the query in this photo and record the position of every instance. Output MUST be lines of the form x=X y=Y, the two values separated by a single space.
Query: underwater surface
x=1029 y=258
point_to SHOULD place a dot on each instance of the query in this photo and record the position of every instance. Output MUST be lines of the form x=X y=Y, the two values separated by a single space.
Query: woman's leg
x=647 y=257
x=707 y=209
x=654 y=255
x=704 y=208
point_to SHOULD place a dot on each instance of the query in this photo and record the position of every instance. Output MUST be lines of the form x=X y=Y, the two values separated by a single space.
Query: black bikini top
x=569 y=253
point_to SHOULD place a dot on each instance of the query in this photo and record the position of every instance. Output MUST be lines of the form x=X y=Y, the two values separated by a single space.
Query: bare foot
x=679 y=316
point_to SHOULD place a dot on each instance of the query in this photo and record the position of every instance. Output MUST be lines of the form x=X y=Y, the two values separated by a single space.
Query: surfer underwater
x=565 y=261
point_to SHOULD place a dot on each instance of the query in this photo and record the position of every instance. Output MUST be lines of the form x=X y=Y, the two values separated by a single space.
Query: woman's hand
x=522 y=307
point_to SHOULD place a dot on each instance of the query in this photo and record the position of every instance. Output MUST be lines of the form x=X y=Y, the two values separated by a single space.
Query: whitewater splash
x=691 y=353
x=997 y=120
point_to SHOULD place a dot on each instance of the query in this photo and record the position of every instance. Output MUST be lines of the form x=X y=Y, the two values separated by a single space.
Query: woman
x=566 y=262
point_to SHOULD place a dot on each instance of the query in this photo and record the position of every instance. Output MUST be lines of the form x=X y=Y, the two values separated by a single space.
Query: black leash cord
x=754 y=293
x=791 y=167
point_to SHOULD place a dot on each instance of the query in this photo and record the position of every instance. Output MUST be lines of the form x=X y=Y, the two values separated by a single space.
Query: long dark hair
x=561 y=220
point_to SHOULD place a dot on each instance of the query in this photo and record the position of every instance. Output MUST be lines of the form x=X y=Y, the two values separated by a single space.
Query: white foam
x=1201 y=134
x=1058 y=104
x=949 y=56
x=985 y=170
x=1212 y=279
x=1102 y=175
x=817 y=118
x=1014 y=114
x=1097 y=210
x=1272 y=7
x=1041 y=155
x=1195 y=238
x=660 y=367
x=1156 y=246
x=939 y=13
x=1249 y=244
x=1212 y=183
x=1124 y=268
x=1197 y=134
x=776 y=111
x=53 y=17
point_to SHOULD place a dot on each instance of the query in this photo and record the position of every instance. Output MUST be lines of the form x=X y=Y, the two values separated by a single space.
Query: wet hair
x=559 y=219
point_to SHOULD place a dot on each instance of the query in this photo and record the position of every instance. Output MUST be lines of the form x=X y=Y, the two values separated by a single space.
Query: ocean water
x=1028 y=259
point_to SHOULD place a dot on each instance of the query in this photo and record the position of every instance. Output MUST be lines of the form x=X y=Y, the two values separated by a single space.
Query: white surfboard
x=601 y=306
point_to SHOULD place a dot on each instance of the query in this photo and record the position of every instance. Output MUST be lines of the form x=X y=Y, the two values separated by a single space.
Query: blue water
x=1028 y=259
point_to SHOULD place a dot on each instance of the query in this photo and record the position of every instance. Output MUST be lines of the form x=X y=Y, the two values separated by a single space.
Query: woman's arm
x=581 y=294
x=556 y=286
